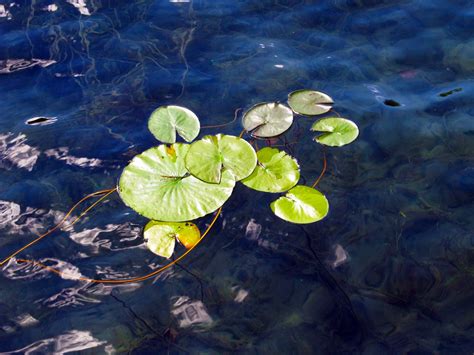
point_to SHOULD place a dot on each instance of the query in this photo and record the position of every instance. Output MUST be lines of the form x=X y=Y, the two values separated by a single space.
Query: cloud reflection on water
x=73 y=340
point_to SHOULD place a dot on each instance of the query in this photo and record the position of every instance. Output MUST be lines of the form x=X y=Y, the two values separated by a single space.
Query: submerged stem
x=322 y=172
x=135 y=279
x=224 y=124
x=97 y=193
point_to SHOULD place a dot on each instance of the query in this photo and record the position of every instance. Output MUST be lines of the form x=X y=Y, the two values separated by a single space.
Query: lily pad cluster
x=175 y=183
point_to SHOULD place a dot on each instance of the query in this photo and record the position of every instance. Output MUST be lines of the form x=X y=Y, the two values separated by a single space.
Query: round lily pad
x=157 y=185
x=267 y=120
x=301 y=205
x=165 y=121
x=207 y=158
x=161 y=236
x=276 y=171
x=309 y=102
x=337 y=131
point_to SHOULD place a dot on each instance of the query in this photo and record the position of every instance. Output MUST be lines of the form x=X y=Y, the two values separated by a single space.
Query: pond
x=389 y=270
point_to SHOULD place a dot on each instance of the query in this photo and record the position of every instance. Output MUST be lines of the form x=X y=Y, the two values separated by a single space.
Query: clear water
x=390 y=270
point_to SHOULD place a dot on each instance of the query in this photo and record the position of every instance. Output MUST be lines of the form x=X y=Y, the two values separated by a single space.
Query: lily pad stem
x=132 y=280
x=94 y=194
x=224 y=124
x=322 y=172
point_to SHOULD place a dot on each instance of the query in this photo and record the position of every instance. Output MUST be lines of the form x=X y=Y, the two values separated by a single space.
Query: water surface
x=390 y=270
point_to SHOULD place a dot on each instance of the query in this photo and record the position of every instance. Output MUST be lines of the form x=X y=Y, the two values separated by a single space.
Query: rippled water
x=390 y=270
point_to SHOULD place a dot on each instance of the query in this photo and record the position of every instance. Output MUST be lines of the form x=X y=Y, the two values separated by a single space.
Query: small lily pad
x=207 y=158
x=337 y=131
x=165 y=121
x=157 y=185
x=161 y=236
x=301 y=205
x=309 y=102
x=267 y=120
x=276 y=171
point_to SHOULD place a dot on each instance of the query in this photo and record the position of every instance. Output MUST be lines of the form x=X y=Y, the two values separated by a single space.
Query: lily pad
x=165 y=121
x=161 y=236
x=337 y=131
x=267 y=120
x=157 y=185
x=309 y=102
x=276 y=171
x=301 y=205
x=207 y=158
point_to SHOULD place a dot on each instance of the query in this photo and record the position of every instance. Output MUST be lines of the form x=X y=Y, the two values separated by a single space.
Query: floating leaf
x=189 y=235
x=267 y=120
x=161 y=236
x=276 y=171
x=338 y=131
x=207 y=158
x=165 y=121
x=309 y=102
x=301 y=205
x=157 y=185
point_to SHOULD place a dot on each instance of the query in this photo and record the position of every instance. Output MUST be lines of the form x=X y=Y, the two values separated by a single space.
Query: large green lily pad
x=161 y=236
x=301 y=205
x=165 y=121
x=309 y=102
x=207 y=158
x=157 y=185
x=337 y=131
x=276 y=171
x=267 y=120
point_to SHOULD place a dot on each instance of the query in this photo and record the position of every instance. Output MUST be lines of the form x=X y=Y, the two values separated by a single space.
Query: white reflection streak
x=189 y=312
x=241 y=294
x=90 y=237
x=4 y=12
x=74 y=340
x=15 y=271
x=12 y=65
x=253 y=230
x=81 y=5
x=10 y=215
x=51 y=8
x=341 y=256
x=25 y=320
x=17 y=152
x=62 y=154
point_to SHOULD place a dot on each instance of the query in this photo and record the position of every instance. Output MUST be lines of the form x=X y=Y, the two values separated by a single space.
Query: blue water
x=390 y=270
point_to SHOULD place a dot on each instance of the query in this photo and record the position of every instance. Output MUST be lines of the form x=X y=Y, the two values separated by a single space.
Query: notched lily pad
x=267 y=120
x=301 y=205
x=337 y=131
x=156 y=184
x=161 y=236
x=309 y=102
x=165 y=121
x=276 y=171
x=207 y=158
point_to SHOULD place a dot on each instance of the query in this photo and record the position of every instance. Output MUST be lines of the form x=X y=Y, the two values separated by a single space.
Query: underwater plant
x=174 y=183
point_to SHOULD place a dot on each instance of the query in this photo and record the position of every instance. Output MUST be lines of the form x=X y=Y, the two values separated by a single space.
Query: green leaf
x=161 y=236
x=301 y=205
x=165 y=121
x=309 y=102
x=157 y=185
x=276 y=171
x=267 y=120
x=207 y=158
x=338 y=131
